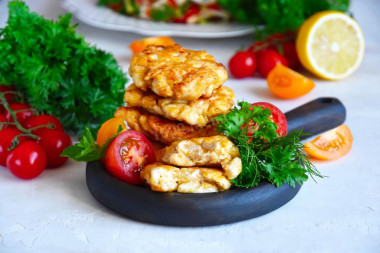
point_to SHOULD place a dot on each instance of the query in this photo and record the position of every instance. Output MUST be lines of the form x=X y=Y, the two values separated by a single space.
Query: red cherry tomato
x=53 y=141
x=27 y=161
x=8 y=96
x=127 y=154
x=277 y=117
x=21 y=116
x=269 y=60
x=258 y=48
x=291 y=55
x=42 y=120
x=242 y=64
x=6 y=137
x=2 y=119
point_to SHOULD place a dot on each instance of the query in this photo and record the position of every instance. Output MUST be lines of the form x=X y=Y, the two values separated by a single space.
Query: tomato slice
x=127 y=154
x=286 y=83
x=277 y=117
x=109 y=129
x=139 y=45
x=331 y=145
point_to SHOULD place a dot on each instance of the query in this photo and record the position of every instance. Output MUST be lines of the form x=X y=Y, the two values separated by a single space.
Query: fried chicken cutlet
x=159 y=129
x=176 y=72
x=216 y=150
x=197 y=112
x=166 y=178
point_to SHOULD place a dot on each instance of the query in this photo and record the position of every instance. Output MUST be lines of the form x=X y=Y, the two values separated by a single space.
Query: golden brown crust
x=160 y=129
x=176 y=72
x=197 y=112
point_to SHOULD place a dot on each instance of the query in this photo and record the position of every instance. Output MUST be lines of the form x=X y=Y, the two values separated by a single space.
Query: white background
x=341 y=213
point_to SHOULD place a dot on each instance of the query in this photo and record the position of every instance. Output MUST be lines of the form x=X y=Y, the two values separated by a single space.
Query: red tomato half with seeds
x=127 y=154
x=277 y=117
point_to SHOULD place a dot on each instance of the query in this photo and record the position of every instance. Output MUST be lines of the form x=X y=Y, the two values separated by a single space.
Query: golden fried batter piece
x=205 y=151
x=176 y=72
x=166 y=178
x=160 y=129
x=197 y=112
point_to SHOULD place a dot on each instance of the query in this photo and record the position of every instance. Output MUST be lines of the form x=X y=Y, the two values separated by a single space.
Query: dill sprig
x=264 y=154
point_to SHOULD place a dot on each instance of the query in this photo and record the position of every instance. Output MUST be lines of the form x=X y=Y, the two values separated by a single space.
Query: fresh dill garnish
x=264 y=154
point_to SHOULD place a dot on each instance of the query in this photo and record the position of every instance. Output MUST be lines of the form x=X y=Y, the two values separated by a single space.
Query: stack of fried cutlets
x=175 y=96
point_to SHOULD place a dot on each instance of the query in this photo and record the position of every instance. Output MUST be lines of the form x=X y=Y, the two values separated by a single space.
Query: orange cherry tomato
x=139 y=45
x=331 y=145
x=109 y=129
x=286 y=83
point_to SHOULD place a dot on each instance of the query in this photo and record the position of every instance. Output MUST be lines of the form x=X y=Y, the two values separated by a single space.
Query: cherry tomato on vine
x=269 y=60
x=6 y=137
x=127 y=154
x=53 y=141
x=44 y=119
x=290 y=53
x=27 y=160
x=8 y=96
x=242 y=64
x=277 y=117
x=2 y=119
x=258 y=48
x=21 y=116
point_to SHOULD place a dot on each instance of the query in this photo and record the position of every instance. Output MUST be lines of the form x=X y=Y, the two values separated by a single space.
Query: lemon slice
x=331 y=45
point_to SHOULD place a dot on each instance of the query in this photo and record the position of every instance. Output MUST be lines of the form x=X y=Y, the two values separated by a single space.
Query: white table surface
x=341 y=213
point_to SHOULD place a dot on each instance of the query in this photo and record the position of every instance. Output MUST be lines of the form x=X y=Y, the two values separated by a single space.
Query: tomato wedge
x=277 y=117
x=109 y=129
x=331 y=145
x=127 y=154
x=286 y=83
x=139 y=45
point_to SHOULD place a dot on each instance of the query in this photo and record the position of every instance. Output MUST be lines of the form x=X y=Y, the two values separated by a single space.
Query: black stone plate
x=208 y=209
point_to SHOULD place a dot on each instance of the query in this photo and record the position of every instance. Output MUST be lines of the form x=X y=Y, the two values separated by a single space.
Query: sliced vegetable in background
x=139 y=45
x=286 y=83
x=331 y=145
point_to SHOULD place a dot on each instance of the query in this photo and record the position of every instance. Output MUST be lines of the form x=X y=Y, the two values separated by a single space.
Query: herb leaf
x=87 y=150
x=264 y=154
x=57 y=71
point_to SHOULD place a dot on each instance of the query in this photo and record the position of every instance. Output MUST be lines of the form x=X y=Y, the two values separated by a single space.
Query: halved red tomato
x=277 y=117
x=127 y=154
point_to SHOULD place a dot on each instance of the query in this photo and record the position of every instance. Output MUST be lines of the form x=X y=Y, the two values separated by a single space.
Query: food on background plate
x=176 y=72
x=198 y=112
x=177 y=11
x=57 y=71
x=139 y=45
x=331 y=145
x=331 y=45
x=286 y=83
x=205 y=151
x=167 y=178
x=160 y=129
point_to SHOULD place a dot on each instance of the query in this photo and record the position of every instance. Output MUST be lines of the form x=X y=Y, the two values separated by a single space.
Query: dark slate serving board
x=208 y=209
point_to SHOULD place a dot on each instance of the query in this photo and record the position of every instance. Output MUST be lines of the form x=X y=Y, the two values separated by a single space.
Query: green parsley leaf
x=57 y=71
x=87 y=150
x=264 y=154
